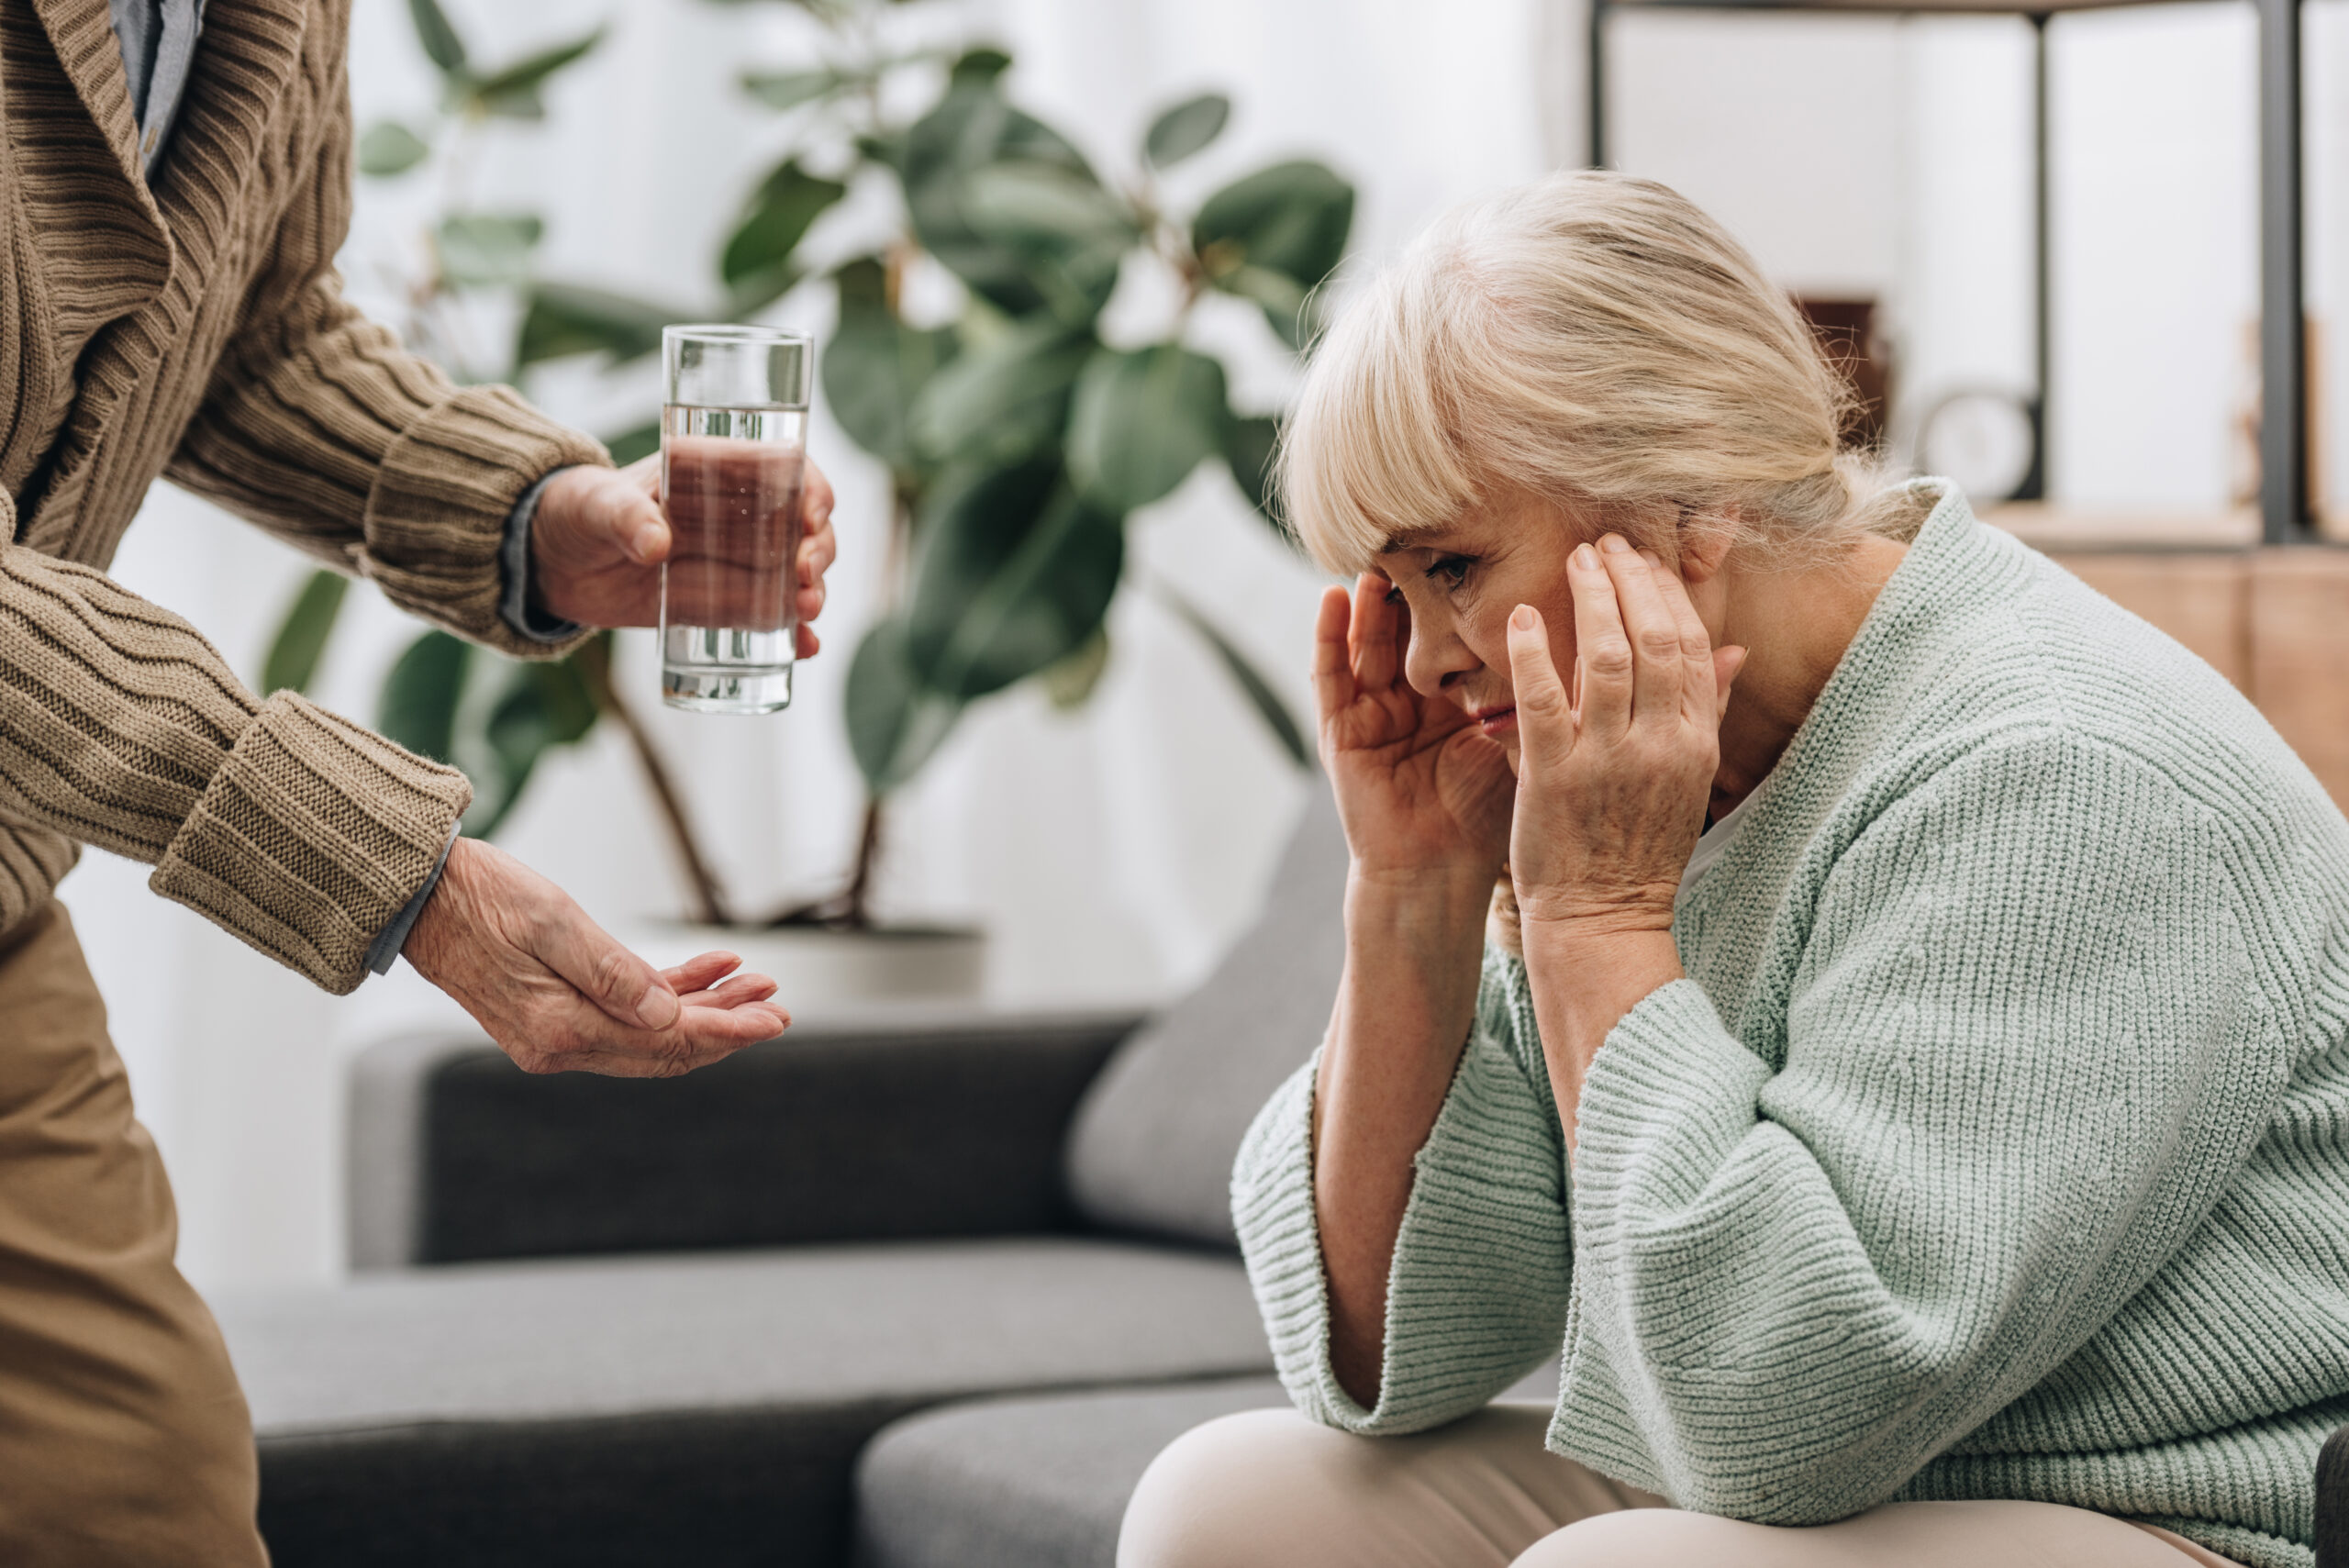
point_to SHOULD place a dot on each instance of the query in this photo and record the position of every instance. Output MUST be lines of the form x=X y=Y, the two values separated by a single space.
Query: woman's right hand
x=1422 y=793
x=1425 y=798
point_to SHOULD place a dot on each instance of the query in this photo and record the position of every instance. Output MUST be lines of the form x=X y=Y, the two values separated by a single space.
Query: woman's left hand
x=1613 y=776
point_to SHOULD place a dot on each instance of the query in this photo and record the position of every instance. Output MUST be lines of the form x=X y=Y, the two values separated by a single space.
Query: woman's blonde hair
x=1594 y=339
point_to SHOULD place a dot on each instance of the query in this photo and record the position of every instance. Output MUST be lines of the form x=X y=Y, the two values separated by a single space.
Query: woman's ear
x=1705 y=543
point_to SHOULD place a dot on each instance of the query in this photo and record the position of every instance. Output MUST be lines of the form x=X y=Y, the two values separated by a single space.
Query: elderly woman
x=1912 y=1089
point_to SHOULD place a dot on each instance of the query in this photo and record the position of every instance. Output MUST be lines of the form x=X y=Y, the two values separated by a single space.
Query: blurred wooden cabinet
x=2273 y=621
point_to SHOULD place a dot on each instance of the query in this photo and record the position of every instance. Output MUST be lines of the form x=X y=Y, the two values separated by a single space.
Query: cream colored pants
x=1270 y=1489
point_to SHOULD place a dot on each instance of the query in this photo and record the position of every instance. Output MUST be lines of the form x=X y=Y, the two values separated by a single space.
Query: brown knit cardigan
x=196 y=329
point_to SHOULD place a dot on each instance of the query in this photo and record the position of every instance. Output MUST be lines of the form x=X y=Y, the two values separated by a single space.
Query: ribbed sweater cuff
x=1669 y=1094
x=310 y=837
x=437 y=515
x=385 y=950
x=1475 y=1294
x=1481 y=1217
x=1272 y=1209
x=514 y=572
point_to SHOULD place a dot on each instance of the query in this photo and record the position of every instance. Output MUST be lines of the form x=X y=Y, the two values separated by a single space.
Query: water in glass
x=729 y=484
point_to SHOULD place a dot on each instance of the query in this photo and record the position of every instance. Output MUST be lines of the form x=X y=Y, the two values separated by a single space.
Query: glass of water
x=733 y=442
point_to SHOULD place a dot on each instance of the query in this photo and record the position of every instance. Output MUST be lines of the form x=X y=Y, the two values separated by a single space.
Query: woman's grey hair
x=1594 y=340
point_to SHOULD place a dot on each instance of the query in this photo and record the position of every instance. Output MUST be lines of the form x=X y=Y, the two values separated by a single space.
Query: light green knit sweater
x=1997 y=1145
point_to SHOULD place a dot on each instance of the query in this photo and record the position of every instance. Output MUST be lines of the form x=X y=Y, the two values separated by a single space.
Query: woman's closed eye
x=1450 y=570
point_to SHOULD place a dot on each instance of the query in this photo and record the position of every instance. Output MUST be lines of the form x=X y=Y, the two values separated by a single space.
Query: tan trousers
x=124 y=1438
x=1270 y=1489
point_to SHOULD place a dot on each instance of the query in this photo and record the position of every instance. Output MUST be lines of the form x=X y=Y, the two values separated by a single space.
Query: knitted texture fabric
x=192 y=324
x=1996 y=1147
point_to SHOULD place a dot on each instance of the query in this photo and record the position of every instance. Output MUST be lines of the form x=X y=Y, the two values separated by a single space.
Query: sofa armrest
x=885 y=1125
x=2332 y=1502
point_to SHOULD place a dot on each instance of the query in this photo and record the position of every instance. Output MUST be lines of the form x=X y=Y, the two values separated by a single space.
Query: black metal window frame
x=2284 y=510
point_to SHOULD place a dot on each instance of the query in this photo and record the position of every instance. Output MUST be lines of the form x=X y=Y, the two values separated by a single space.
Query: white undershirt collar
x=1711 y=847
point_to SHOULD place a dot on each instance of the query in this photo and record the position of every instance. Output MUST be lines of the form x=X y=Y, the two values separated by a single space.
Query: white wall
x=1893 y=157
x=1111 y=853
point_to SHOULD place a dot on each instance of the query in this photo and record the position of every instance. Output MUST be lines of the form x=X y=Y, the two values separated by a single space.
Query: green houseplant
x=1018 y=442
x=494 y=717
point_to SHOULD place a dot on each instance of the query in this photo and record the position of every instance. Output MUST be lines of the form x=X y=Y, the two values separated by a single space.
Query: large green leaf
x=1067 y=231
x=875 y=365
x=418 y=705
x=1045 y=205
x=1276 y=713
x=1287 y=307
x=789 y=89
x=1070 y=684
x=1274 y=236
x=389 y=148
x=1004 y=401
x=888 y=151
x=974 y=128
x=563 y=319
x=301 y=640
x=513 y=92
x=895 y=723
x=494 y=719
x=978 y=66
x=636 y=441
x=434 y=31
x=757 y=264
x=1185 y=129
x=535 y=707
x=1141 y=421
x=1250 y=445
x=1015 y=573
x=488 y=249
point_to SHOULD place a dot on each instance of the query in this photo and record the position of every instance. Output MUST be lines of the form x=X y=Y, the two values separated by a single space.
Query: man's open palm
x=558 y=994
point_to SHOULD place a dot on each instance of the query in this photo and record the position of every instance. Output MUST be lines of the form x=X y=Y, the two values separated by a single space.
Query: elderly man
x=174 y=182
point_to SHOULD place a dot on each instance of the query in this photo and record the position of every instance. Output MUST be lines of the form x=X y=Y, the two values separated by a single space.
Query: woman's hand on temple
x=1422 y=793
x=1614 y=773
x=1425 y=799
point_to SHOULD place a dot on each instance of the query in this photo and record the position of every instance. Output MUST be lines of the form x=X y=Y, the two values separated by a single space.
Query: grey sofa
x=901 y=1289
x=907 y=1290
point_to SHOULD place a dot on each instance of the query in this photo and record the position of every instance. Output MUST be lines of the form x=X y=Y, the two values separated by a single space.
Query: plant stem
x=851 y=908
x=595 y=662
x=858 y=896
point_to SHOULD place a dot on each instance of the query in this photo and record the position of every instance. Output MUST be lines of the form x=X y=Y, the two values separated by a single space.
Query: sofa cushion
x=1038 y=1483
x=1155 y=1136
x=693 y=1407
x=1025 y=1483
x=876 y=1123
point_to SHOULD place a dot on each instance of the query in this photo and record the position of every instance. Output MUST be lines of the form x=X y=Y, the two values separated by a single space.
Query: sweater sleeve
x=293 y=828
x=1476 y=1295
x=319 y=428
x=2022 y=1057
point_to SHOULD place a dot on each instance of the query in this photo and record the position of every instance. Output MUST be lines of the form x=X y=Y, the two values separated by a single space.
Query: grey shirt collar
x=158 y=40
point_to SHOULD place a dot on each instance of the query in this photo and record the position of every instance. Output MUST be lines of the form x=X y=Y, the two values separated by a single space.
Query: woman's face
x=1461 y=582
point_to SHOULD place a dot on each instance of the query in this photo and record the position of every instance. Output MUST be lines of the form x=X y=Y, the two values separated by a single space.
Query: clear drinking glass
x=733 y=442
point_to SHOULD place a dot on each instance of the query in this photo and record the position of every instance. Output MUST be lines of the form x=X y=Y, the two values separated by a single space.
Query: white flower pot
x=813 y=967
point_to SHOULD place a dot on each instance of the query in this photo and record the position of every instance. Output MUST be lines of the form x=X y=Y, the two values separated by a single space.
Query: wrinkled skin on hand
x=1422 y=792
x=599 y=538
x=559 y=994
x=1613 y=775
